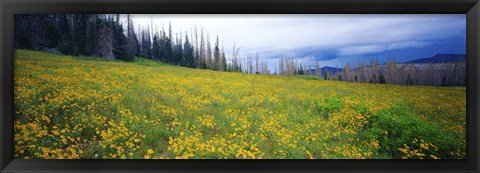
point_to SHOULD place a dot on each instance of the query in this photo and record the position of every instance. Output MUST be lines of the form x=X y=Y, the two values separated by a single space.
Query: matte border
x=469 y=7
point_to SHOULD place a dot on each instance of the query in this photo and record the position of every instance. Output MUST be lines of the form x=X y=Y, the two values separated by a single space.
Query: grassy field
x=81 y=107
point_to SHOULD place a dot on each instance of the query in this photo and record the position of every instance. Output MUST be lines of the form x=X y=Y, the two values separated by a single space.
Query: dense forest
x=113 y=36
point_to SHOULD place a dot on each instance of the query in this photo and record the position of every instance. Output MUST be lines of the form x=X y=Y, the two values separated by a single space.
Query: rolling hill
x=70 y=107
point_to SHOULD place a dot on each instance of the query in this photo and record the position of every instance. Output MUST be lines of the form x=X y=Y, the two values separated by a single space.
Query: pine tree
x=188 y=53
x=300 y=70
x=37 y=31
x=51 y=31
x=223 y=63
x=66 y=45
x=216 y=56
x=132 y=41
x=178 y=51
x=156 y=49
x=137 y=45
x=381 y=79
x=79 y=32
x=91 y=34
x=168 y=46
x=120 y=42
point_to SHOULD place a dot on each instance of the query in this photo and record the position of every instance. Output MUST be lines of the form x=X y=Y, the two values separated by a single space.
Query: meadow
x=86 y=108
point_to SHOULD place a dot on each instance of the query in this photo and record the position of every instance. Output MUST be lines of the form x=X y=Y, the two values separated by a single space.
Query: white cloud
x=377 y=48
x=355 y=50
x=407 y=44
x=277 y=35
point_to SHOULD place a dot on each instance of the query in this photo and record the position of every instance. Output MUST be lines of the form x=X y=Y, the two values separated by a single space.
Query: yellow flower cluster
x=420 y=150
x=71 y=108
x=68 y=113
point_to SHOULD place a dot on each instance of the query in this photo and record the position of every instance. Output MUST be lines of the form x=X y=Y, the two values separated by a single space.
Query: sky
x=330 y=39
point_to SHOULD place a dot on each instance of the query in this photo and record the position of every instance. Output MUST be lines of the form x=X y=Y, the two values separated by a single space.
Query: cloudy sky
x=331 y=40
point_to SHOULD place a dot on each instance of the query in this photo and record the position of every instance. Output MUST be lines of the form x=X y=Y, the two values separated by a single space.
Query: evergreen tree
x=162 y=51
x=120 y=47
x=444 y=80
x=132 y=41
x=91 y=34
x=66 y=45
x=146 y=45
x=381 y=78
x=79 y=32
x=168 y=46
x=409 y=80
x=216 y=56
x=188 y=53
x=52 y=33
x=178 y=51
x=224 y=61
x=240 y=67
x=300 y=70
x=156 y=49
x=137 y=47
x=37 y=31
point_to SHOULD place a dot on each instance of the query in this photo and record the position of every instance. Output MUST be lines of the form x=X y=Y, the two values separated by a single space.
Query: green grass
x=179 y=112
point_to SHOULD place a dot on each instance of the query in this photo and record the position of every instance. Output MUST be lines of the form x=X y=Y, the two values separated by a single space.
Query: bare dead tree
x=280 y=67
x=104 y=43
x=202 y=51
x=346 y=73
x=257 y=70
x=209 y=53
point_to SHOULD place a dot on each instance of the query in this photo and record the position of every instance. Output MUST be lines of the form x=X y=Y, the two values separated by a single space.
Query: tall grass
x=81 y=107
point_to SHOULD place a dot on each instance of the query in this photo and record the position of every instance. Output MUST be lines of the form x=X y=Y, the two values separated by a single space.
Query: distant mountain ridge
x=323 y=70
x=441 y=58
x=329 y=69
x=438 y=58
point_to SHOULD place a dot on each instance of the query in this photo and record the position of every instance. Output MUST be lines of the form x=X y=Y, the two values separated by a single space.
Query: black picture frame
x=10 y=7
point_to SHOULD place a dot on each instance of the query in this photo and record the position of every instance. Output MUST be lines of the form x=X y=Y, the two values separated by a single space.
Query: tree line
x=113 y=36
x=96 y=35
x=431 y=74
x=108 y=36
